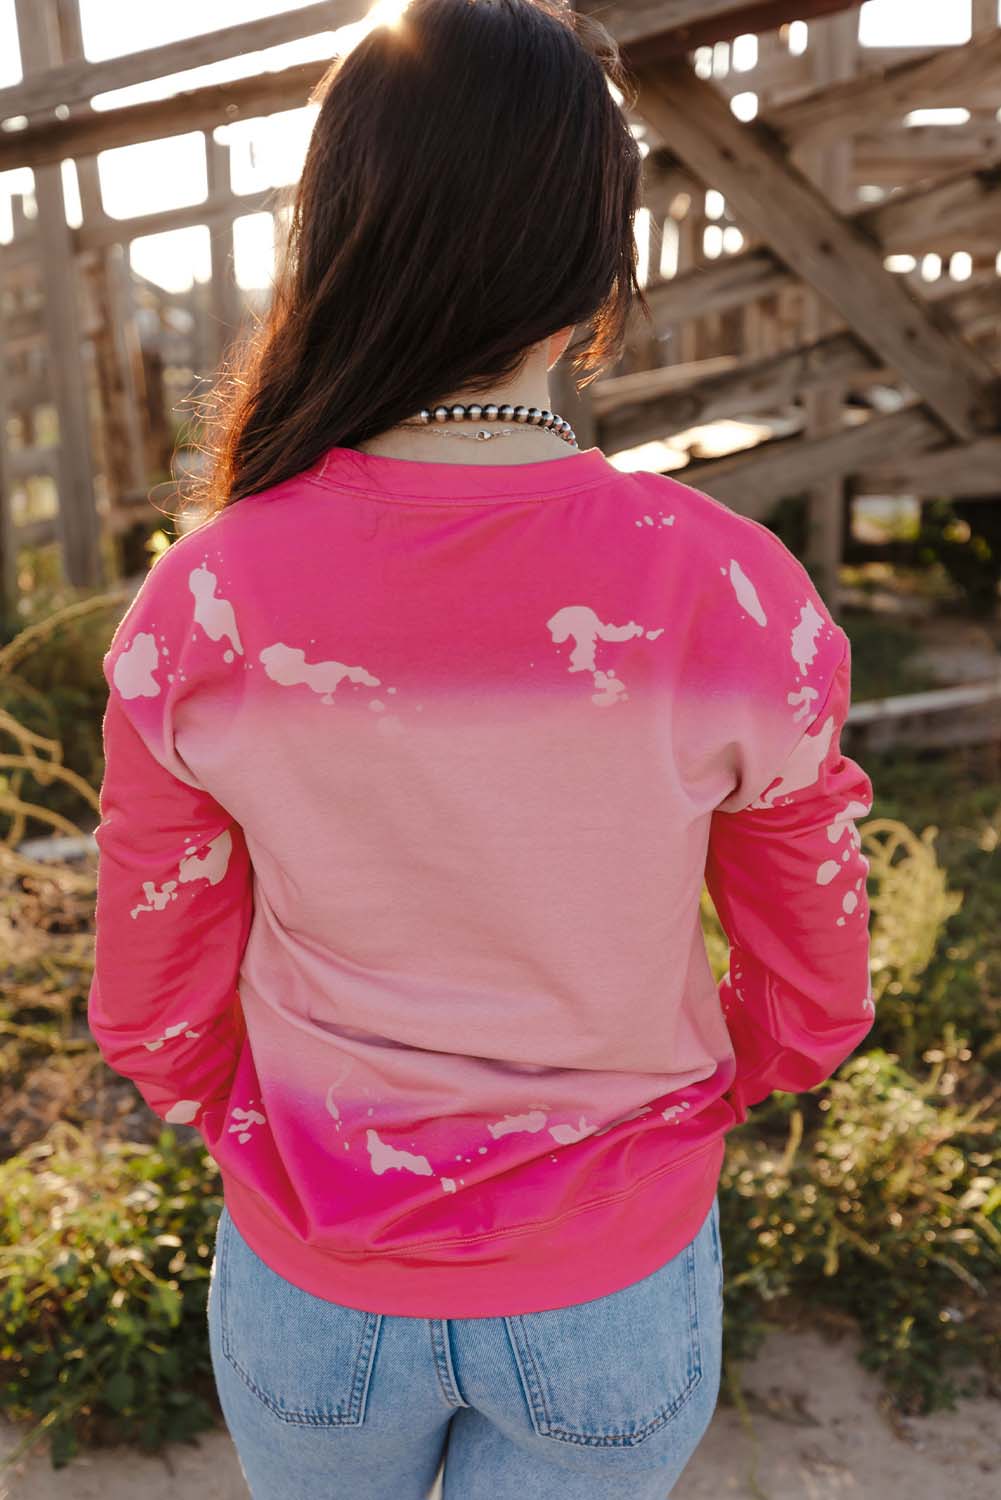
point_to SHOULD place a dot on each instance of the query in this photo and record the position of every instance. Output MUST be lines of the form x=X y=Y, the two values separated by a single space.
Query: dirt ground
x=819 y=1430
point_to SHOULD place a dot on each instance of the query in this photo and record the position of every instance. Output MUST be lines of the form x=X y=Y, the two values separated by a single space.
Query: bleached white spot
x=133 y=670
x=183 y=1112
x=675 y=1112
x=287 y=666
x=802 y=767
x=168 y=1033
x=246 y=1119
x=804 y=635
x=566 y=1134
x=383 y=1157
x=533 y=1121
x=216 y=616
x=448 y=1183
x=849 y=901
x=652 y=635
x=581 y=622
x=210 y=866
x=827 y=871
x=803 y=702
x=747 y=594
x=213 y=864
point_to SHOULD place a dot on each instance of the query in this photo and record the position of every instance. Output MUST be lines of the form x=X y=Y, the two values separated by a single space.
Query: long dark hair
x=469 y=189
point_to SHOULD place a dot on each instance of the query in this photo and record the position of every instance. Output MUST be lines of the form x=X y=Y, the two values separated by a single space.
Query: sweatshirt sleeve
x=787 y=877
x=174 y=884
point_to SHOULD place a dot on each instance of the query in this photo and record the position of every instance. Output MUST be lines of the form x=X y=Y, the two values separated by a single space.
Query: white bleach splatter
x=170 y=1031
x=383 y=1157
x=133 y=671
x=183 y=1112
x=216 y=616
x=567 y=1134
x=802 y=701
x=581 y=622
x=747 y=594
x=804 y=636
x=533 y=1121
x=287 y=666
x=211 y=866
x=803 y=766
x=246 y=1119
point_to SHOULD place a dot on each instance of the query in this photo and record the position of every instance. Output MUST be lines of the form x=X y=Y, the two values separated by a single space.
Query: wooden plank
x=79 y=523
x=965 y=201
x=971 y=470
x=75 y=82
x=755 y=480
x=667 y=28
x=108 y=231
x=758 y=386
x=834 y=55
x=947 y=76
x=53 y=140
x=830 y=253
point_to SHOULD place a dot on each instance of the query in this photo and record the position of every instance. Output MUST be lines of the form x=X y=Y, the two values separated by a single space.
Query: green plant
x=891 y=1207
x=103 y=1291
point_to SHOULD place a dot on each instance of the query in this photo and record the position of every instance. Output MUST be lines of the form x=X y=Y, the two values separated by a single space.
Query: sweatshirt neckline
x=454 y=483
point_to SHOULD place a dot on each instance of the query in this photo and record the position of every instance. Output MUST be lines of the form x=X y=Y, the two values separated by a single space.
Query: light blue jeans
x=603 y=1400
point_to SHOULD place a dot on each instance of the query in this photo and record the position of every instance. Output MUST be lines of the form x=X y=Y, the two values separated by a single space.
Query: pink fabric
x=414 y=774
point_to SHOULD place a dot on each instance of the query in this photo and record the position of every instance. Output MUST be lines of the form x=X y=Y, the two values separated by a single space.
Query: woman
x=418 y=754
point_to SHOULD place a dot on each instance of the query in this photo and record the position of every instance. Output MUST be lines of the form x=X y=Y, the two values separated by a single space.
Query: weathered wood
x=54 y=140
x=834 y=57
x=947 y=76
x=108 y=231
x=968 y=201
x=655 y=30
x=830 y=253
x=646 y=408
x=755 y=480
x=77 y=81
x=960 y=203
x=971 y=470
x=967 y=714
x=79 y=523
x=758 y=386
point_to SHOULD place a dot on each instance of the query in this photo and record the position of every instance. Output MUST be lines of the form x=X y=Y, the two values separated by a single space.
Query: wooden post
x=835 y=55
x=224 y=292
x=112 y=328
x=79 y=523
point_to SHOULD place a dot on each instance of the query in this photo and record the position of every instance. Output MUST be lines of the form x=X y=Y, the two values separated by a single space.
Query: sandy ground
x=819 y=1430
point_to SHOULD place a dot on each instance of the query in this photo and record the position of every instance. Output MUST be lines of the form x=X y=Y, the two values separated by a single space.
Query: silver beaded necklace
x=530 y=416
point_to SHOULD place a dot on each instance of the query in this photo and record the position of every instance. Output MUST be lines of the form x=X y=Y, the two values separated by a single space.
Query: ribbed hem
x=591 y=1254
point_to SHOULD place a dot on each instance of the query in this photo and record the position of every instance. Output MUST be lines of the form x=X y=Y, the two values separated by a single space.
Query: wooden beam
x=635 y=409
x=755 y=480
x=78 y=519
x=965 y=202
x=668 y=28
x=760 y=385
x=947 y=76
x=831 y=254
x=972 y=470
x=54 y=140
x=76 y=82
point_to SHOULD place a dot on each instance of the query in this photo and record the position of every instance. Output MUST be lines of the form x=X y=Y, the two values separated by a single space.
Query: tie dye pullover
x=414 y=774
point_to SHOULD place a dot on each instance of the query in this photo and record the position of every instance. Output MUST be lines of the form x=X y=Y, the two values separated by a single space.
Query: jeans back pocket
x=611 y=1372
x=309 y=1361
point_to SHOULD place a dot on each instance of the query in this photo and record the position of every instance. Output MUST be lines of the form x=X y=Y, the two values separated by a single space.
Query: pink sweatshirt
x=414 y=773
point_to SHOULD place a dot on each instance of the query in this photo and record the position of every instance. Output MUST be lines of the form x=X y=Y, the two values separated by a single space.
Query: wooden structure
x=818 y=263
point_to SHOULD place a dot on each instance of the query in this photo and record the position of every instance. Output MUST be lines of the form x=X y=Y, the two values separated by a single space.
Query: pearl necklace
x=531 y=416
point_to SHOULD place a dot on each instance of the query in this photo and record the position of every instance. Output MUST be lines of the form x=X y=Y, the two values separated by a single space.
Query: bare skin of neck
x=528 y=387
